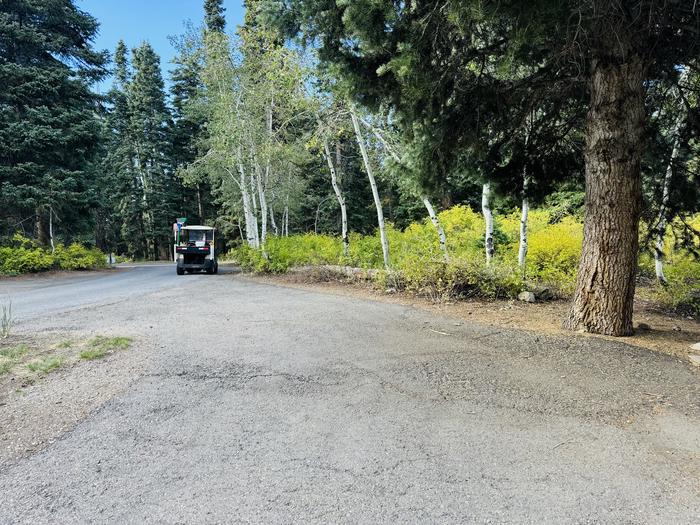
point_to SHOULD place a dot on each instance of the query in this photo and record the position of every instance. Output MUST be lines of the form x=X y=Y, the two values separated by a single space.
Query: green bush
x=77 y=257
x=24 y=256
x=418 y=265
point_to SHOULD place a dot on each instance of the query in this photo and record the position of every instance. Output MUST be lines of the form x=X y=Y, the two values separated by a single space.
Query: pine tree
x=48 y=125
x=214 y=16
x=150 y=122
x=189 y=122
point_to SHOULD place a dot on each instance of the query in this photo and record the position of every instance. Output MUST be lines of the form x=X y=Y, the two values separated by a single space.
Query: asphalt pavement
x=265 y=404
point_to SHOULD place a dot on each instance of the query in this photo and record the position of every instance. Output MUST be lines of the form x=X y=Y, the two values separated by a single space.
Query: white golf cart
x=194 y=249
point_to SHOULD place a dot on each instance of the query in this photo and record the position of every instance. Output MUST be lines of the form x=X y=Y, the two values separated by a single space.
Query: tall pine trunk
x=375 y=191
x=603 y=300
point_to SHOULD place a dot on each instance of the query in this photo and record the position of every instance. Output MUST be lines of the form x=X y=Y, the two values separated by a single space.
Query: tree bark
x=438 y=227
x=488 y=220
x=426 y=202
x=522 y=249
x=375 y=191
x=603 y=300
x=339 y=197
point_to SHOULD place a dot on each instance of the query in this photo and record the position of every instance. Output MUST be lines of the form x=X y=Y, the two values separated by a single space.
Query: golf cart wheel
x=180 y=271
x=216 y=268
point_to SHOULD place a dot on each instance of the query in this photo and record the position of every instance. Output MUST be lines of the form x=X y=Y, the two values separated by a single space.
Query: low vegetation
x=418 y=265
x=46 y=365
x=100 y=346
x=29 y=360
x=22 y=255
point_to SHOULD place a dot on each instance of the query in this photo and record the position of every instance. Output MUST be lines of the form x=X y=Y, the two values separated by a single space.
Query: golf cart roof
x=197 y=228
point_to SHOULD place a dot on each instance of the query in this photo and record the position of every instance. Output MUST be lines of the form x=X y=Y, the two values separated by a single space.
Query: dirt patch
x=51 y=381
x=655 y=330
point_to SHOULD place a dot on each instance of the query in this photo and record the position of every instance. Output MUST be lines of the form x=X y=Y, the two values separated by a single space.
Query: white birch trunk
x=522 y=250
x=662 y=223
x=375 y=191
x=436 y=222
x=263 y=209
x=250 y=229
x=666 y=192
x=426 y=202
x=488 y=219
x=273 y=224
x=53 y=248
x=339 y=197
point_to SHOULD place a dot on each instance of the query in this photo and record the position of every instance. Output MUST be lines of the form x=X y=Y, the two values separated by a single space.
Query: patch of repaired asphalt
x=262 y=403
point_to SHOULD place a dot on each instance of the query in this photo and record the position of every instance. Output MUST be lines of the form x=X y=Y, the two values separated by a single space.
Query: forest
x=468 y=148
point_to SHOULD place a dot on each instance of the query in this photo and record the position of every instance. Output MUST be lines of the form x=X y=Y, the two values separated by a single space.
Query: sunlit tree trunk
x=424 y=198
x=375 y=191
x=438 y=227
x=665 y=197
x=603 y=300
x=53 y=247
x=522 y=249
x=250 y=227
x=488 y=220
x=338 y=196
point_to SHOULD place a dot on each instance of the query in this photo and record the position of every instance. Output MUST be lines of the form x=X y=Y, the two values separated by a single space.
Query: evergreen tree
x=149 y=123
x=48 y=125
x=189 y=122
x=214 y=15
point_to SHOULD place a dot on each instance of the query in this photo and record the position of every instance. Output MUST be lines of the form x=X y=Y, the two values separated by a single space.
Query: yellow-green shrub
x=554 y=252
x=25 y=256
x=78 y=257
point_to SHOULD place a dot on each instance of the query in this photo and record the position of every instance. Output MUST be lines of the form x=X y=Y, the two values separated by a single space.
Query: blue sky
x=135 y=21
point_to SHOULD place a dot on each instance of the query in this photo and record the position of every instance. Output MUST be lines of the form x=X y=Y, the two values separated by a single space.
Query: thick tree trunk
x=488 y=220
x=603 y=300
x=339 y=197
x=375 y=191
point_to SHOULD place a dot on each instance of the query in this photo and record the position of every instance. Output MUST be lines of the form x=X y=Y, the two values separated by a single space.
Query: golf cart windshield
x=197 y=236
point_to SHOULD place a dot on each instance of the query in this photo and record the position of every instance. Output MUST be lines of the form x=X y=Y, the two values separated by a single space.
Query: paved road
x=267 y=404
x=49 y=294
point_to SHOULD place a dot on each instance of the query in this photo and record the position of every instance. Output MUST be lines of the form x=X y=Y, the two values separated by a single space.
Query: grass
x=5 y=366
x=10 y=356
x=94 y=353
x=65 y=344
x=99 y=346
x=46 y=365
x=14 y=352
x=6 y=320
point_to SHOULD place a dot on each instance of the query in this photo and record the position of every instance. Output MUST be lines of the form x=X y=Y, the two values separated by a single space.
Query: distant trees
x=140 y=160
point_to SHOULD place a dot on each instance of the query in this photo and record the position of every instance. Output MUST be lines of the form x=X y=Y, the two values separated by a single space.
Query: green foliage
x=77 y=257
x=24 y=256
x=48 y=124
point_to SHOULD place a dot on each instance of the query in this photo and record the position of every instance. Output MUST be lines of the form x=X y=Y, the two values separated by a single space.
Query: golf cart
x=194 y=248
